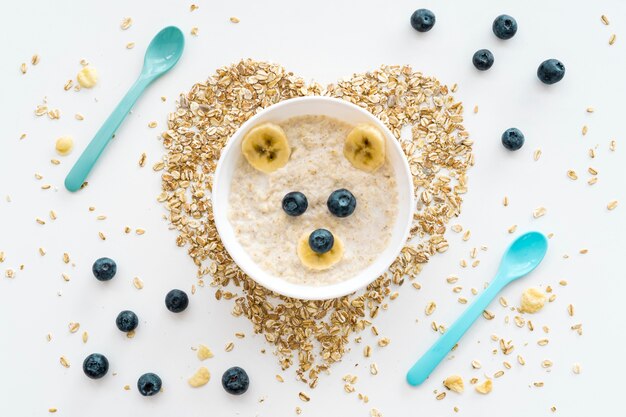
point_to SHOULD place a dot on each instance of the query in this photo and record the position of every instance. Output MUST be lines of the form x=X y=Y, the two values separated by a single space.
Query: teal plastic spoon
x=162 y=54
x=524 y=254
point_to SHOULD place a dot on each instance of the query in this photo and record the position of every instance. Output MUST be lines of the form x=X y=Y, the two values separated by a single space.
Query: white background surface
x=321 y=40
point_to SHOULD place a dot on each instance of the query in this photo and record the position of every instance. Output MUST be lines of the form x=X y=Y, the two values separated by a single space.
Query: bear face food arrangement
x=313 y=200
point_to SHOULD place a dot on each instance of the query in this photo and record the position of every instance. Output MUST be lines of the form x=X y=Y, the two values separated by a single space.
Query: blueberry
x=149 y=384
x=512 y=139
x=176 y=301
x=504 y=26
x=104 y=269
x=127 y=321
x=321 y=241
x=295 y=203
x=341 y=203
x=95 y=366
x=235 y=381
x=423 y=20
x=482 y=59
x=551 y=71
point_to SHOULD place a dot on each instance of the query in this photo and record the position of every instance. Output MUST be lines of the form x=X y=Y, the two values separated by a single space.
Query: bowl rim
x=280 y=285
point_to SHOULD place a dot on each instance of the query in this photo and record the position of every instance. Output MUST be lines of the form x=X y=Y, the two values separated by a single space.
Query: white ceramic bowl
x=342 y=110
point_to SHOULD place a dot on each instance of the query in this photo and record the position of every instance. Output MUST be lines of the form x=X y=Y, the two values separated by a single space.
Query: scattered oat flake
x=539 y=212
x=542 y=342
x=52 y=410
x=384 y=342
x=229 y=346
x=604 y=20
x=138 y=283
x=512 y=229
x=590 y=109
x=374 y=369
x=537 y=154
x=234 y=19
x=85 y=337
x=142 y=159
x=152 y=124
x=585 y=129
x=430 y=308
x=576 y=368
x=140 y=231
x=126 y=23
x=102 y=236
x=194 y=31
x=193 y=7
x=23 y=68
x=466 y=235
x=612 y=145
x=130 y=45
x=571 y=174
x=35 y=59
x=79 y=116
x=304 y=397
x=73 y=327
x=612 y=205
x=64 y=362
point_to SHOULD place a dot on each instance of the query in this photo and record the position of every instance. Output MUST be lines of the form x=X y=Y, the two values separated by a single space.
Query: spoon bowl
x=164 y=51
x=524 y=255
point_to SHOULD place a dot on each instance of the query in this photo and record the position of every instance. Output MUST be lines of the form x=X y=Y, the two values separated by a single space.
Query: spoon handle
x=90 y=155
x=429 y=361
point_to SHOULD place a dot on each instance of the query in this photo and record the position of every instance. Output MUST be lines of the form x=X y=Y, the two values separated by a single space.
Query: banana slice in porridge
x=319 y=259
x=266 y=148
x=365 y=148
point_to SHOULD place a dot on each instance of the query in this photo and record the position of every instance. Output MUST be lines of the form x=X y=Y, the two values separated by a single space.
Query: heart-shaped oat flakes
x=439 y=152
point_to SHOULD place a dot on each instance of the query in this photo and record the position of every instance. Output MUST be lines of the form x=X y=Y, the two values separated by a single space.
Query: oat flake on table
x=315 y=334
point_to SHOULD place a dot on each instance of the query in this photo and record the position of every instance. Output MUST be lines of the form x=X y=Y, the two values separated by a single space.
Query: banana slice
x=266 y=147
x=316 y=260
x=365 y=148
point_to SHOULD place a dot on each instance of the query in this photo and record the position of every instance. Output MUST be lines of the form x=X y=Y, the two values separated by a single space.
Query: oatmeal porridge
x=313 y=163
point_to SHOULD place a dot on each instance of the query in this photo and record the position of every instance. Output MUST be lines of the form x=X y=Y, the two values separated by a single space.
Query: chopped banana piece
x=533 y=300
x=87 y=77
x=200 y=378
x=485 y=387
x=454 y=383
